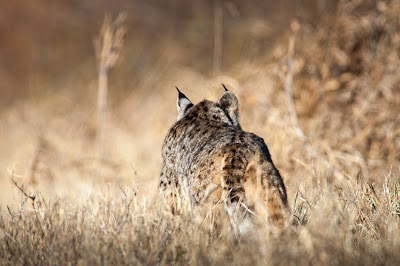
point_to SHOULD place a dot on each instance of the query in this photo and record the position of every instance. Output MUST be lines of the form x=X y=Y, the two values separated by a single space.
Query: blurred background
x=318 y=80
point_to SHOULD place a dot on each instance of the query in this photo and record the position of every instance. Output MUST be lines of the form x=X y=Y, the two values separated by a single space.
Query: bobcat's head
x=225 y=110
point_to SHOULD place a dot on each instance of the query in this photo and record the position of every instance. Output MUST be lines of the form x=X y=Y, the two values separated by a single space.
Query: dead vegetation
x=328 y=108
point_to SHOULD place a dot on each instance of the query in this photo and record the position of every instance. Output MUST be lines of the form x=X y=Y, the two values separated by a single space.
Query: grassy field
x=319 y=82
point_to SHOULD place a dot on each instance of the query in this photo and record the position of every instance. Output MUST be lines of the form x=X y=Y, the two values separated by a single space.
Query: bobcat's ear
x=183 y=104
x=230 y=104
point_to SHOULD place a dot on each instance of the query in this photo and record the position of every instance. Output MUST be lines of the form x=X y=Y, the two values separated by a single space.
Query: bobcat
x=207 y=157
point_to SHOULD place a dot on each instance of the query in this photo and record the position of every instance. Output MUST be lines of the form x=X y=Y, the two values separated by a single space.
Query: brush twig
x=21 y=188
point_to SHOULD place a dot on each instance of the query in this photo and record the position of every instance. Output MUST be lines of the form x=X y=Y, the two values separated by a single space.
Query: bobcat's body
x=209 y=158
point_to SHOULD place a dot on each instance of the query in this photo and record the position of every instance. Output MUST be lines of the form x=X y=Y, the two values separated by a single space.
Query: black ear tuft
x=224 y=87
x=180 y=94
x=183 y=104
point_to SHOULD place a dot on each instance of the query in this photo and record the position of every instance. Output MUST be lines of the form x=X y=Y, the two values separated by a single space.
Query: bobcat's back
x=209 y=158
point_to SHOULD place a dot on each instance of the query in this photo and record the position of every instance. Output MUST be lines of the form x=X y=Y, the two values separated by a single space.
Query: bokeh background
x=336 y=126
x=318 y=80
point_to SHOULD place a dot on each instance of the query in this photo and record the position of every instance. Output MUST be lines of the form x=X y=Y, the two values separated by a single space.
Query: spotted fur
x=207 y=157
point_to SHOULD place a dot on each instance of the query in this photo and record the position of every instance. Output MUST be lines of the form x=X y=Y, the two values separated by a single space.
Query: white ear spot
x=230 y=104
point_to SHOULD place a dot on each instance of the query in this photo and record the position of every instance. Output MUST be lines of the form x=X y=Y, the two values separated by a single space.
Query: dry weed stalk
x=295 y=27
x=108 y=49
x=217 y=37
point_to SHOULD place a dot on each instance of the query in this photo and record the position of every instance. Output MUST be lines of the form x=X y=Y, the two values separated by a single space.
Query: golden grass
x=331 y=122
x=338 y=227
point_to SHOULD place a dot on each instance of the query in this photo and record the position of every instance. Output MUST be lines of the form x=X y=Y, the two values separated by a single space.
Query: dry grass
x=328 y=110
x=356 y=228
